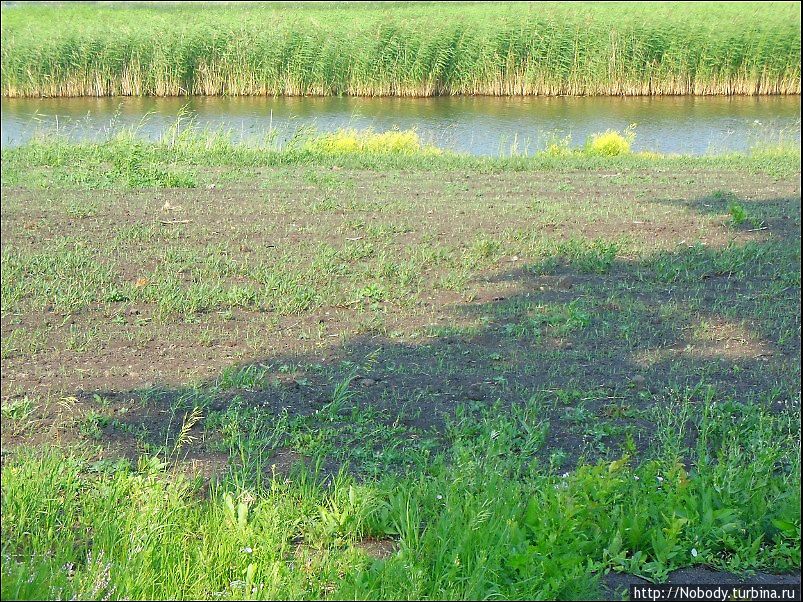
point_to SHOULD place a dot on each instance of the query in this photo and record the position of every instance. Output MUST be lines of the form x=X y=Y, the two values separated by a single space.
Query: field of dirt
x=604 y=290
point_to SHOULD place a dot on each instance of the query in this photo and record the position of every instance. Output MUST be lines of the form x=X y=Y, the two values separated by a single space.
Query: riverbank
x=418 y=49
x=185 y=158
x=363 y=368
x=689 y=125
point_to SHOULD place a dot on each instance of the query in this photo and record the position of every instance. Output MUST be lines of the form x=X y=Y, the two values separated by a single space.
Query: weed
x=610 y=143
x=350 y=141
x=252 y=376
x=738 y=214
x=474 y=520
x=19 y=409
x=342 y=394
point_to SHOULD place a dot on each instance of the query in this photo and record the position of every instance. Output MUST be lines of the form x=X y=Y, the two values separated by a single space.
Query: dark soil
x=736 y=330
x=616 y=586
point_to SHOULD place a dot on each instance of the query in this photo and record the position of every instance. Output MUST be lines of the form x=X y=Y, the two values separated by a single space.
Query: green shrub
x=610 y=143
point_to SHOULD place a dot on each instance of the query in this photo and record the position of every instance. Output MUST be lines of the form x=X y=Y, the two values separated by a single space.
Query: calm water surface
x=477 y=125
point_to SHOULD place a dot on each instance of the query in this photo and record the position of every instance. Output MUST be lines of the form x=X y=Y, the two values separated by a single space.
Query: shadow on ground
x=597 y=340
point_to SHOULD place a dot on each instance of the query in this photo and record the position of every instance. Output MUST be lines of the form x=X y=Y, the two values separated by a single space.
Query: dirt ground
x=616 y=586
x=604 y=290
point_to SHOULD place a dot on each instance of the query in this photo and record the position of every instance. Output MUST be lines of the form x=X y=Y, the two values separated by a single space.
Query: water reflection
x=478 y=125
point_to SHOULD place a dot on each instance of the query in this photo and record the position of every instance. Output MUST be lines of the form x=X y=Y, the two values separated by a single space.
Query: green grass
x=416 y=49
x=509 y=376
x=472 y=522
x=174 y=161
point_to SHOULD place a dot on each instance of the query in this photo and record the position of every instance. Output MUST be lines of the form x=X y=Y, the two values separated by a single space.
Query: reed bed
x=402 y=49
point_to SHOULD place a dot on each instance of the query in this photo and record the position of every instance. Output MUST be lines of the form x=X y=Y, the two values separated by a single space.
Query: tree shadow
x=595 y=341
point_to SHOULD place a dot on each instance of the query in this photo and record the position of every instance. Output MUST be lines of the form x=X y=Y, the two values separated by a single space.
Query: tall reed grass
x=418 y=49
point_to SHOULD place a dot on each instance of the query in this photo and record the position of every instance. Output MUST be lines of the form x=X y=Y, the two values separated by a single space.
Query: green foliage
x=242 y=377
x=561 y=320
x=738 y=214
x=66 y=276
x=477 y=521
x=18 y=409
x=177 y=161
x=610 y=143
x=585 y=256
x=698 y=262
x=402 y=50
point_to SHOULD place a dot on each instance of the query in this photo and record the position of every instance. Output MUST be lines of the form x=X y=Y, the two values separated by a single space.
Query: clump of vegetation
x=610 y=143
x=475 y=521
x=557 y=146
x=367 y=141
x=738 y=213
x=402 y=50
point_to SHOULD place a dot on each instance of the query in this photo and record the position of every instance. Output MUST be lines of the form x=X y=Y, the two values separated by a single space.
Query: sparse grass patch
x=66 y=276
x=585 y=256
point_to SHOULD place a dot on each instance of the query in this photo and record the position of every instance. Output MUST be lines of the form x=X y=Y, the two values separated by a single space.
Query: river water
x=476 y=125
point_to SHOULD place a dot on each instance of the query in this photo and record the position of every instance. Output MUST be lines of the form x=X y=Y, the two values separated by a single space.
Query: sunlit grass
x=174 y=161
x=403 y=50
x=352 y=141
x=610 y=143
x=475 y=521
